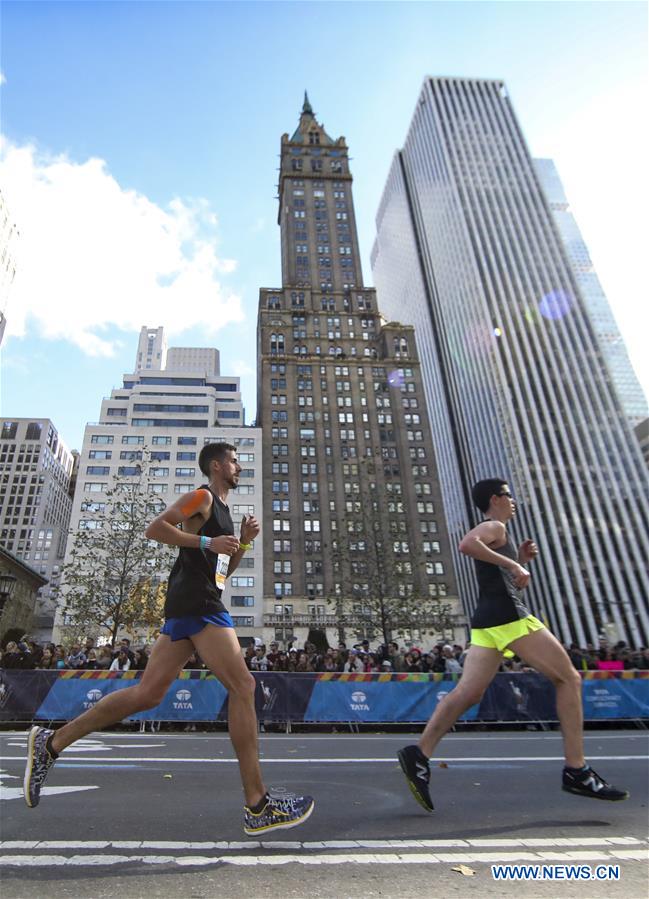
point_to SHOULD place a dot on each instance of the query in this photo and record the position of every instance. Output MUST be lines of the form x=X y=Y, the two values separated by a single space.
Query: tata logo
x=92 y=697
x=183 y=700
x=359 y=702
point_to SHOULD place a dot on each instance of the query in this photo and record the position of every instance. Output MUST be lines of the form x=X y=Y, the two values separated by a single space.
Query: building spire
x=306 y=106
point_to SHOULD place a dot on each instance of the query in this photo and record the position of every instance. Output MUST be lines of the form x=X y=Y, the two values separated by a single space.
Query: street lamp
x=7 y=586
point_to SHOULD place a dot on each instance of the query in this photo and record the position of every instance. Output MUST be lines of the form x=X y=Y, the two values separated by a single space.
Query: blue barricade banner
x=329 y=697
x=391 y=701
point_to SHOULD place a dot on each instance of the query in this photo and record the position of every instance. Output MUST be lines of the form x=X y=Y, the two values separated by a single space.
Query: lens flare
x=556 y=304
x=396 y=378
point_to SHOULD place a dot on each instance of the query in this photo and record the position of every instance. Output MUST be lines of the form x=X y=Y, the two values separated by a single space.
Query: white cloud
x=3 y=80
x=92 y=254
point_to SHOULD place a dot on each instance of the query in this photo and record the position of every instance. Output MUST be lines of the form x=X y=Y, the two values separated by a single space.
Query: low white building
x=169 y=413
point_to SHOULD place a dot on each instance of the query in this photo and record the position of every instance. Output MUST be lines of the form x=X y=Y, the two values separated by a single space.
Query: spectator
x=47 y=659
x=281 y=662
x=411 y=661
x=121 y=662
x=140 y=658
x=272 y=655
x=89 y=646
x=248 y=654
x=104 y=658
x=259 y=662
x=76 y=658
x=91 y=660
x=12 y=657
x=59 y=658
x=353 y=663
x=451 y=664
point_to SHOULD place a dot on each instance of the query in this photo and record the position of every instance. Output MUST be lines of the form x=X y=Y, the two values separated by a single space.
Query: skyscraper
x=349 y=474
x=625 y=380
x=173 y=403
x=467 y=250
x=36 y=470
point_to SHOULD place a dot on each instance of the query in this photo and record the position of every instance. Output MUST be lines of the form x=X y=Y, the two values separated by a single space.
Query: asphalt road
x=159 y=815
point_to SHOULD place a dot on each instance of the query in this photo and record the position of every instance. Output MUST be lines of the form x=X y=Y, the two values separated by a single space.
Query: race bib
x=222 y=565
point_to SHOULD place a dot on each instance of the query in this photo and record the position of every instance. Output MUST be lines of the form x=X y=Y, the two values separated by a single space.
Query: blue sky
x=141 y=141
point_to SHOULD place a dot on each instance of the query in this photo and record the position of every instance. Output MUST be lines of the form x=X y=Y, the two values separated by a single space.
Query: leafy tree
x=115 y=578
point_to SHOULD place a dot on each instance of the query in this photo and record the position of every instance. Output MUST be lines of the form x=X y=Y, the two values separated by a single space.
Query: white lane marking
x=415 y=858
x=17 y=792
x=293 y=760
x=527 y=842
x=398 y=738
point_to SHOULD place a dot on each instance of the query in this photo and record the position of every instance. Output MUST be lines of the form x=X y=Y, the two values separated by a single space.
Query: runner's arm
x=479 y=543
x=196 y=505
x=249 y=530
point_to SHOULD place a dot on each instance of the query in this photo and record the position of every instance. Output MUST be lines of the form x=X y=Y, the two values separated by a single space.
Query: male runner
x=196 y=619
x=501 y=625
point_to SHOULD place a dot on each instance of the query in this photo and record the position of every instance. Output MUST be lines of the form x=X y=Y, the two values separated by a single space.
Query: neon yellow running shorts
x=500 y=637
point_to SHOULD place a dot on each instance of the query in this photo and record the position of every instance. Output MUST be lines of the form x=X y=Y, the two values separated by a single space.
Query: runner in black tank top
x=502 y=624
x=196 y=619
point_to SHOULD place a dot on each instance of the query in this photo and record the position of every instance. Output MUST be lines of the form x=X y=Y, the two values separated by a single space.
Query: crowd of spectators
x=359 y=658
x=29 y=654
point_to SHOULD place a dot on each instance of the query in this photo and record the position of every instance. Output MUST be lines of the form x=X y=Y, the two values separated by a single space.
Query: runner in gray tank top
x=502 y=625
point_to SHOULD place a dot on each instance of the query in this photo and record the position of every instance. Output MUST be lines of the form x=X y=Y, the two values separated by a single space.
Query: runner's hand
x=227 y=544
x=527 y=551
x=520 y=575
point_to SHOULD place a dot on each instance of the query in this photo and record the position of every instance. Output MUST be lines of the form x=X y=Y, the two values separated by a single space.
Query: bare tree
x=116 y=578
x=381 y=586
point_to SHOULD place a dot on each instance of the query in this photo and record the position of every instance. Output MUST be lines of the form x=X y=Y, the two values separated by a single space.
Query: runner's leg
x=480 y=667
x=219 y=648
x=167 y=658
x=543 y=652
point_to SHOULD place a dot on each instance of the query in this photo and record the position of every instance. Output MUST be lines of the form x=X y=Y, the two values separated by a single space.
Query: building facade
x=625 y=380
x=19 y=588
x=8 y=243
x=163 y=414
x=350 y=484
x=36 y=470
x=468 y=251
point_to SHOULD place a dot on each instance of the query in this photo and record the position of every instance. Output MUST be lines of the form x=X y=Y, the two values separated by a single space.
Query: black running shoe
x=278 y=814
x=589 y=783
x=414 y=765
x=39 y=762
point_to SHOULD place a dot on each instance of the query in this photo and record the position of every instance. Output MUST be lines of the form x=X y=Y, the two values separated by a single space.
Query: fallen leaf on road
x=168 y=776
x=463 y=869
x=442 y=765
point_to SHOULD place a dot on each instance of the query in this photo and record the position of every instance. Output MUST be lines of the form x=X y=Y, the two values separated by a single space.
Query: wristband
x=204 y=542
x=245 y=546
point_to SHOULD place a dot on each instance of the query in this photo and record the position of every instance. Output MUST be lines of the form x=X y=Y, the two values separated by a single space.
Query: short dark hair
x=482 y=492
x=210 y=452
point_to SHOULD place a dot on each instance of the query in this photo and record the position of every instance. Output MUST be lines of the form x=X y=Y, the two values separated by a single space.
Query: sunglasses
x=505 y=494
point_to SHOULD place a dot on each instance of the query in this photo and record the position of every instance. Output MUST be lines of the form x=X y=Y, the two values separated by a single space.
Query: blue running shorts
x=188 y=625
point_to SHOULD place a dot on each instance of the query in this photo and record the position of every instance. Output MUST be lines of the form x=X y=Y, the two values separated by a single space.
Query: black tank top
x=192 y=588
x=499 y=601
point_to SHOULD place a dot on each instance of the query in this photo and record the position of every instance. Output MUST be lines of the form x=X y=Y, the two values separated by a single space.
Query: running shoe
x=414 y=765
x=39 y=762
x=589 y=783
x=278 y=814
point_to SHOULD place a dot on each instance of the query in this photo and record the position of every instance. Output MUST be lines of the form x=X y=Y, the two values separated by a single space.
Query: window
x=128 y=455
x=34 y=430
x=185 y=472
x=239 y=581
x=100 y=454
x=159 y=472
x=185 y=441
x=98 y=469
x=94 y=487
x=9 y=429
x=183 y=488
x=243 y=620
x=184 y=457
x=103 y=438
x=128 y=471
x=128 y=439
x=165 y=441
x=238 y=601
